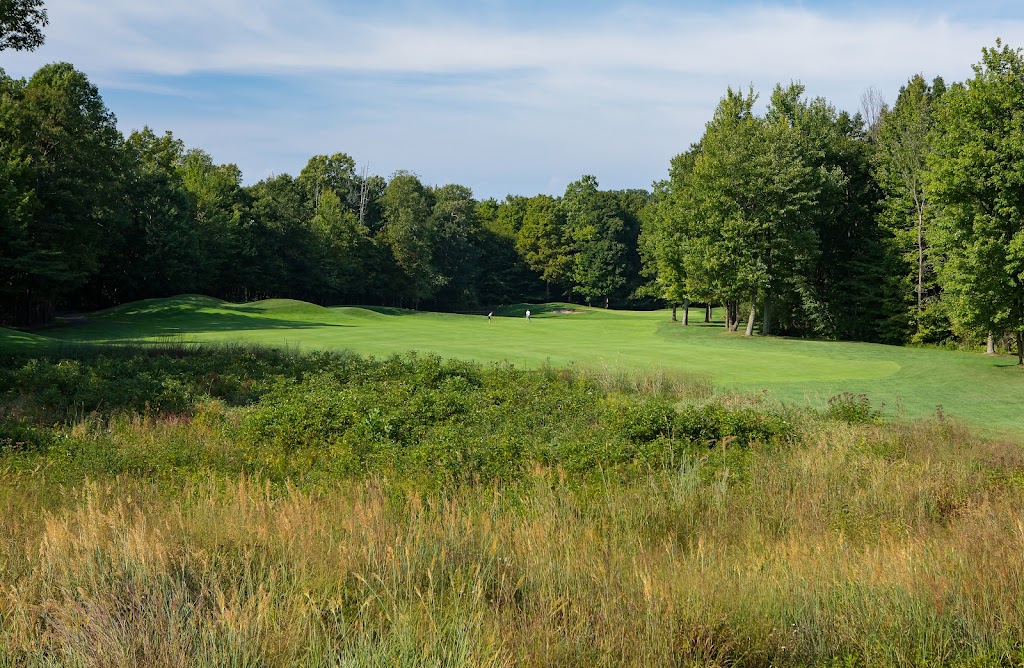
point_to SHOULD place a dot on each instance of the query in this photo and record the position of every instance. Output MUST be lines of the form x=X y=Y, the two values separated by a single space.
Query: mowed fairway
x=910 y=382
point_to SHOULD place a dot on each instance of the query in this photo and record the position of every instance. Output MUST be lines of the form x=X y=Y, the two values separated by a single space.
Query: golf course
x=903 y=382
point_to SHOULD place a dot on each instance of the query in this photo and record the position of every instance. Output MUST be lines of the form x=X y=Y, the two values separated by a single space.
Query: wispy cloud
x=615 y=93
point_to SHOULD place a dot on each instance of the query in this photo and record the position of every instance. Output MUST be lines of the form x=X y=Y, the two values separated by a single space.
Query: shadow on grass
x=133 y=327
x=195 y=323
x=388 y=310
x=537 y=310
x=161 y=306
x=12 y=340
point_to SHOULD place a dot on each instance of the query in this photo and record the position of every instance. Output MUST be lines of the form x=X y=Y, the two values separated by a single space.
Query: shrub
x=851 y=408
x=313 y=418
x=21 y=436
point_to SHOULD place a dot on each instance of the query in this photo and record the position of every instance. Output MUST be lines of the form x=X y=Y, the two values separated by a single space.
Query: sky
x=503 y=96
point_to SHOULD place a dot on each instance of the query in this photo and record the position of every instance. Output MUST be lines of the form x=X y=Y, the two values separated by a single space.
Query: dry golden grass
x=864 y=546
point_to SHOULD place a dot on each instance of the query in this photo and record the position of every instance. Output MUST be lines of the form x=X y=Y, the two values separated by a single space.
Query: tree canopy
x=21 y=24
x=977 y=182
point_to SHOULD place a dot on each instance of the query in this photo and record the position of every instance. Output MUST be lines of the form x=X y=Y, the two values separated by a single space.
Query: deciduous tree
x=63 y=157
x=21 y=24
x=900 y=167
x=977 y=184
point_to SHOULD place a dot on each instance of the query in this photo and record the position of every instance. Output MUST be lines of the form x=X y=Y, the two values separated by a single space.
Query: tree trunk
x=766 y=317
x=606 y=302
x=686 y=312
x=674 y=318
x=732 y=309
x=707 y=312
x=1020 y=347
x=750 y=318
x=990 y=347
x=920 y=265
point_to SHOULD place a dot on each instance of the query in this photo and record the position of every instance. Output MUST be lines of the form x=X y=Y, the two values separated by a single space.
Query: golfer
x=527 y=315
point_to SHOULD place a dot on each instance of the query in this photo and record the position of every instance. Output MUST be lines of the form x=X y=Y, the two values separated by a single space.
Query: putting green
x=911 y=382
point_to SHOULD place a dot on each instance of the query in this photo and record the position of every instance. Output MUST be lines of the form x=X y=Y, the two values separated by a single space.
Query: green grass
x=233 y=505
x=910 y=382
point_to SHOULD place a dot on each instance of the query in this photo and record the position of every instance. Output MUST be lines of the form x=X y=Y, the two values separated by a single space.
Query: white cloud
x=622 y=89
x=233 y=36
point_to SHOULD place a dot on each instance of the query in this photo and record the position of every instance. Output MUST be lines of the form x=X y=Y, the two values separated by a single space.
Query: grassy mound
x=11 y=339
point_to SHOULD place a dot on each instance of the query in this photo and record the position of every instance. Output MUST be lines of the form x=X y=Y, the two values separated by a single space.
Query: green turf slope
x=910 y=381
x=11 y=339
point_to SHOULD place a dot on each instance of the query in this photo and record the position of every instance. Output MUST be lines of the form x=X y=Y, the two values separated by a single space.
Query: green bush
x=314 y=418
x=851 y=408
x=21 y=436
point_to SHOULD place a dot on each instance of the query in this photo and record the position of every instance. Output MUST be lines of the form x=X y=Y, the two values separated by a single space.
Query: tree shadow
x=163 y=305
x=195 y=323
x=12 y=340
x=188 y=314
x=538 y=310
x=389 y=310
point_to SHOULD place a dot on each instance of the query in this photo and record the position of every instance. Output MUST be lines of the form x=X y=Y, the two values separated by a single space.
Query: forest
x=899 y=223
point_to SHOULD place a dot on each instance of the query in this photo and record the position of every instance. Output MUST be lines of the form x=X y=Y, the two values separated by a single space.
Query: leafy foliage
x=900 y=166
x=288 y=416
x=821 y=225
x=21 y=24
x=851 y=408
x=977 y=183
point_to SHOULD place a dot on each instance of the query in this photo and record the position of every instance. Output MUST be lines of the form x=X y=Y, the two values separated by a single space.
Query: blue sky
x=503 y=96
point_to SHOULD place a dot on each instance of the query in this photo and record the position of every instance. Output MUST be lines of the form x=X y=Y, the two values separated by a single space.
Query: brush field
x=168 y=503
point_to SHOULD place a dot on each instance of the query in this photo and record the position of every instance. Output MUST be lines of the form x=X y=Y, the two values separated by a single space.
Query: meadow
x=904 y=382
x=172 y=503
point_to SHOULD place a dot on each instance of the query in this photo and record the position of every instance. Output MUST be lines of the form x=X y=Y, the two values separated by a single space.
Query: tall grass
x=861 y=545
x=661 y=382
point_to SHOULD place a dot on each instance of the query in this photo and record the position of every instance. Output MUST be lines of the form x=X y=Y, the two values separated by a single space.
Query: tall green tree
x=409 y=232
x=220 y=204
x=597 y=229
x=838 y=293
x=664 y=237
x=504 y=277
x=630 y=205
x=456 y=245
x=63 y=157
x=282 y=256
x=160 y=249
x=542 y=241
x=977 y=184
x=18 y=254
x=342 y=246
x=750 y=195
x=900 y=167
x=21 y=24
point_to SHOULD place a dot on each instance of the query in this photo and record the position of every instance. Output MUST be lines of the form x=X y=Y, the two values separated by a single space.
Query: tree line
x=90 y=218
x=903 y=224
